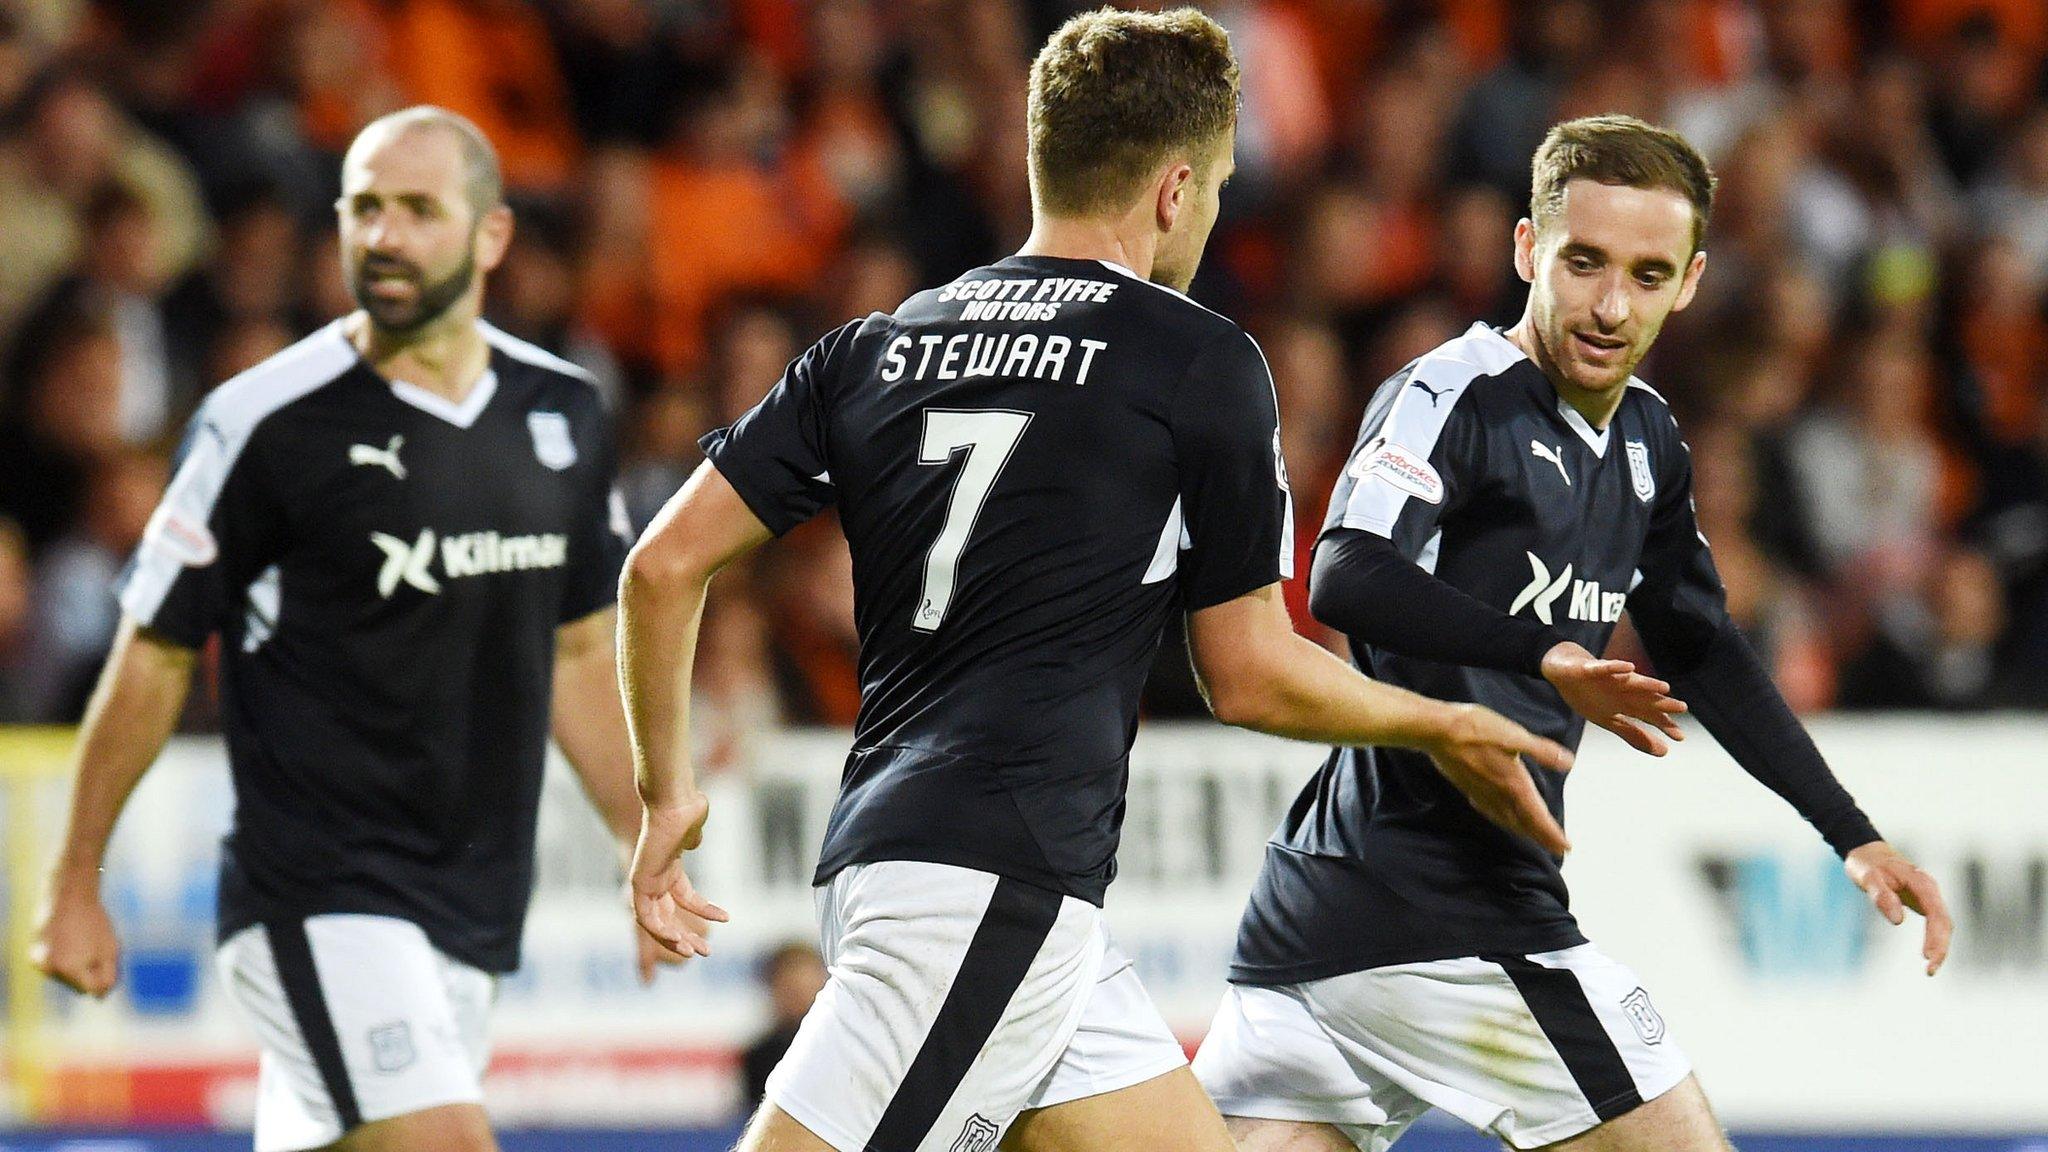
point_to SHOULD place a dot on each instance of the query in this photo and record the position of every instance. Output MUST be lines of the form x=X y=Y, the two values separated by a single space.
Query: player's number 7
x=987 y=435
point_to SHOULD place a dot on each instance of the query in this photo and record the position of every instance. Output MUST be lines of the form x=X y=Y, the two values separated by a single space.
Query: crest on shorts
x=1648 y=1025
x=551 y=441
x=1639 y=470
x=978 y=1135
x=391 y=1046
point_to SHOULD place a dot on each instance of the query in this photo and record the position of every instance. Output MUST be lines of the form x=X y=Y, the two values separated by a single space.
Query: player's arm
x=764 y=475
x=1258 y=673
x=703 y=528
x=214 y=530
x=589 y=719
x=589 y=722
x=586 y=716
x=1681 y=613
x=1362 y=586
x=133 y=711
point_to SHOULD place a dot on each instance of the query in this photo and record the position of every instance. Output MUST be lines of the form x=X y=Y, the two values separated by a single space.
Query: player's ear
x=1525 y=250
x=1691 y=283
x=1175 y=185
x=493 y=237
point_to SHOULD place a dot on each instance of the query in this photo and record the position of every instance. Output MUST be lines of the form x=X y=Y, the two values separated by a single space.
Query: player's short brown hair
x=1114 y=94
x=1620 y=150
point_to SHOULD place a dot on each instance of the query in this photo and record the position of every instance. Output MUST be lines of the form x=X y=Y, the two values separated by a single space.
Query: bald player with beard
x=403 y=531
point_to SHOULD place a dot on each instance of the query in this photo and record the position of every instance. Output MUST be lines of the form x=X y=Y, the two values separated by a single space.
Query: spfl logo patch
x=1648 y=1025
x=1639 y=473
x=552 y=444
x=391 y=1046
x=979 y=1135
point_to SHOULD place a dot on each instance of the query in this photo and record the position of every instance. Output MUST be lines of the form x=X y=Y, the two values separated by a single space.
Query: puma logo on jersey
x=1435 y=394
x=469 y=554
x=1589 y=602
x=385 y=457
x=1555 y=455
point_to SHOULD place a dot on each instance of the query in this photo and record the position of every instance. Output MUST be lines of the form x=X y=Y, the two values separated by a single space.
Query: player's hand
x=1895 y=884
x=663 y=900
x=649 y=954
x=653 y=955
x=1612 y=694
x=1480 y=752
x=74 y=942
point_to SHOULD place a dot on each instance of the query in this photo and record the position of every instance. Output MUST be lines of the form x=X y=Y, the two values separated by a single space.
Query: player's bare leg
x=1678 y=1121
x=1169 y=1111
x=773 y=1130
x=1254 y=1134
x=448 y=1128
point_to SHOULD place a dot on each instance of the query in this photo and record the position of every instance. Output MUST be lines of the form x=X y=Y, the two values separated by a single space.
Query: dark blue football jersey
x=386 y=570
x=1471 y=465
x=1036 y=466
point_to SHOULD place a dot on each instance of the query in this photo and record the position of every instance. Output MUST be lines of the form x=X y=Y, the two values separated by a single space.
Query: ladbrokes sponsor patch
x=1388 y=461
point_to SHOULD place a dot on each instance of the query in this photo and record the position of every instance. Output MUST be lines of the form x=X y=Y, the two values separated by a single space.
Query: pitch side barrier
x=1803 y=1011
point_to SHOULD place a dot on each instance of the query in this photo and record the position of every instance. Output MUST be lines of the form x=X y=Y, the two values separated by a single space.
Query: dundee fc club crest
x=391 y=1046
x=1648 y=1025
x=978 y=1136
x=1639 y=471
x=552 y=444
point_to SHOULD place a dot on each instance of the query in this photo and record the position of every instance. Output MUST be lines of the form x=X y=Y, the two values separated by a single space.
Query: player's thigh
x=1285 y=1080
x=448 y=1128
x=952 y=996
x=360 y=1021
x=773 y=1130
x=1534 y=1049
x=1678 y=1121
x=1253 y=1134
x=1168 y=1111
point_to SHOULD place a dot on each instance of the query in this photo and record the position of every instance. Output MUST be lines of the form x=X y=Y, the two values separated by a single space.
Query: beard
x=1567 y=360
x=430 y=300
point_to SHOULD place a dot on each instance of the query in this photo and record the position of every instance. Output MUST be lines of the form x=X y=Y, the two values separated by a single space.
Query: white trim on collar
x=1113 y=266
x=434 y=404
x=1595 y=438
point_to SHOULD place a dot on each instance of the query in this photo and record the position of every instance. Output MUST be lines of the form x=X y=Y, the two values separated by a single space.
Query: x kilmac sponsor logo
x=469 y=554
x=1589 y=602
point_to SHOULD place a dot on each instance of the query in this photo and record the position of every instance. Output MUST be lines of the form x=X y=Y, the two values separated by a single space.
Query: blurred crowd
x=704 y=186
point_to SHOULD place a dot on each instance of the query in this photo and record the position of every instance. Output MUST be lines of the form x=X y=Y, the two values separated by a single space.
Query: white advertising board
x=1799 y=1006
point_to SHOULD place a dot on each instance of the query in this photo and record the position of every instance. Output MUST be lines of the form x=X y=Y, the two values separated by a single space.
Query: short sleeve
x=1235 y=505
x=1419 y=450
x=777 y=456
x=211 y=534
x=601 y=535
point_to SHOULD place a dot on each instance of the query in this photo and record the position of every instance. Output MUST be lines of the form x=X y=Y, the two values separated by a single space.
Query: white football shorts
x=1533 y=1049
x=956 y=1000
x=360 y=1019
